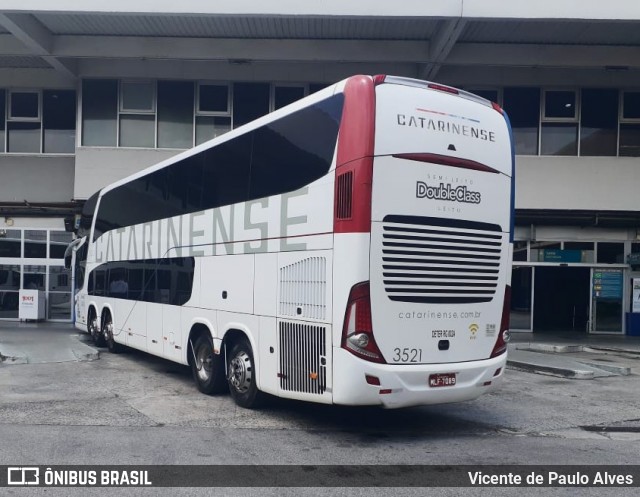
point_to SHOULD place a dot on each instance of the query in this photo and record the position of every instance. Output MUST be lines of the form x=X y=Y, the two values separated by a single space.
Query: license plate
x=442 y=380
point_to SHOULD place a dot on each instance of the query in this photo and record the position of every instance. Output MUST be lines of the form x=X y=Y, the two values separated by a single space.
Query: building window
x=610 y=253
x=586 y=250
x=137 y=114
x=23 y=126
x=9 y=287
x=559 y=127
x=631 y=105
x=149 y=114
x=579 y=246
x=59 y=296
x=213 y=111
x=10 y=277
x=58 y=242
x=559 y=104
x=59 y=121
x=523 y=107
x=175 y=114
x=137 y=96
x=598 y=122
x=38 y=121
x=629 y=145
x=3 y=113
x=520 y=249
x=250 y=101
x=34 y=277
x=99 y=113
x=213 y=99
x=24 y=105
x=35 y=244
x=10 y=243
x=283 y=95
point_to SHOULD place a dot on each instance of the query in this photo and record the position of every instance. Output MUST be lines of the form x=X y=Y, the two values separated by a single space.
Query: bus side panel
x=81 y=310
x=266 y=273
x=268 y=348
x=350 y=266
x=154 y=329
x=130 y=322
x=229 y=284
x=172 y=333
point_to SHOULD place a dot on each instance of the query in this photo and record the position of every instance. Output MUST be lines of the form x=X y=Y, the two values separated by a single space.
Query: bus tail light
x=378 y=79
x=448 y=89
x=503 y=337
x=357 y=331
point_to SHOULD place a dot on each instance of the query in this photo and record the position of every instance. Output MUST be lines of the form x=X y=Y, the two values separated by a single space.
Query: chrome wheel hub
x=93 y=327
x=204 y=363
x=108 y=331
x=240 y=373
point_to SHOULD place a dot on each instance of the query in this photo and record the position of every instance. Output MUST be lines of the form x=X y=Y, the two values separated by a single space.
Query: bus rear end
x=429 y=324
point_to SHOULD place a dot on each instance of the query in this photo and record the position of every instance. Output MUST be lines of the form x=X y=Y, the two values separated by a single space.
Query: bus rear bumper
x=408 y=385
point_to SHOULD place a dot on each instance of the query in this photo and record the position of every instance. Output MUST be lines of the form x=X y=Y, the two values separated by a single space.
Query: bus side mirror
x=68 y=254
x=69 y=224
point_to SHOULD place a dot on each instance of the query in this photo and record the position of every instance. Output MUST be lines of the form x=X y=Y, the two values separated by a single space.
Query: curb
x=94 y=355
x=619 y=370
x=84 y=352
x=13 y=359
x=616 y=350
x=576 y=374
x=555 y=349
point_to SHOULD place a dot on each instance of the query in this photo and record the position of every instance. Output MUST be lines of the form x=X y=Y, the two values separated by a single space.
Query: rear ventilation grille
x=302 y=358
x=343 y=201
x=435 y=260
x=303 y=289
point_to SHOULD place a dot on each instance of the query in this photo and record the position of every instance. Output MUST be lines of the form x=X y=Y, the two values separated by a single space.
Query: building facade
x=90 y=94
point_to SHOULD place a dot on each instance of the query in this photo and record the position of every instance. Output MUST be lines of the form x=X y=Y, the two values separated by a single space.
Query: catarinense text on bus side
x=261 y=225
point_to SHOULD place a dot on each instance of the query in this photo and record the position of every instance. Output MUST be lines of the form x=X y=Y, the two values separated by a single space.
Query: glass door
x=606 y=300
x=521 y=298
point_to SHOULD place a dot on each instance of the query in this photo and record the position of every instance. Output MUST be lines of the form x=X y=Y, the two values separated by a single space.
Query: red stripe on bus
x=355 y=153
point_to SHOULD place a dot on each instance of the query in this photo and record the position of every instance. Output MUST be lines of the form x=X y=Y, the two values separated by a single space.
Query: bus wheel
x=207 y=368
x=241 y=376
x=95 y=331
x=107 y=335
x=92 y=324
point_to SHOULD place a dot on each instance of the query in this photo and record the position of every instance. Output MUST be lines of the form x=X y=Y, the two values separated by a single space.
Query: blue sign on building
x=557 y=255
x=607 y=284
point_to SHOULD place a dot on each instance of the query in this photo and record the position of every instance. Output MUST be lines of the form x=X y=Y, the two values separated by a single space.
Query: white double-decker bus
x=352 y=248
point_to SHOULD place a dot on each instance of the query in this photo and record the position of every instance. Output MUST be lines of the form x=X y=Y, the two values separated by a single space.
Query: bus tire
x=92 y=322
x=207 y=368
x=107 y=335
x=241 y=376
x=95 y=330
